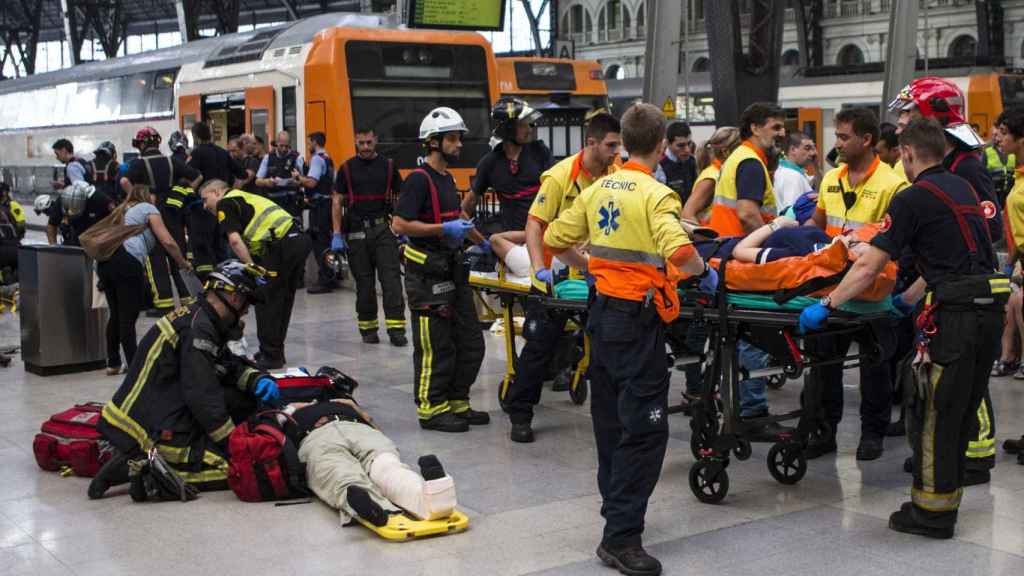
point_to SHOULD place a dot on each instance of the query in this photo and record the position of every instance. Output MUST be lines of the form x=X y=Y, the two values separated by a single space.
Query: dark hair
x=365 y=130
x=201 y=130
x=887 y=133
x=1012 y=121
x=64 y=144
x=643 y=128
x=925 y=136
x=795 y=139
x=318 y=138
x=758 y=113
x=602 y=125
x=260 y=140
x=677 y=130
x=862 y=120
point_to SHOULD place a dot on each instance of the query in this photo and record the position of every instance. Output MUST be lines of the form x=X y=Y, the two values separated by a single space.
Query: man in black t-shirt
x=448 y=346
x=214 y=163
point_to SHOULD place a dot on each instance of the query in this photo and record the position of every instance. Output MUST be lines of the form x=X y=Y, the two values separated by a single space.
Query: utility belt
x=325 y=420
x=359 y=226
x=282 y=194
x=446 y=265
x=644 y=310
x=979 y=290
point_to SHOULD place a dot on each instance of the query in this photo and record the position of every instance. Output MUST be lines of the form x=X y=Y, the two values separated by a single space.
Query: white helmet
x=441 y=120
x=74 y=197
x=42 y=203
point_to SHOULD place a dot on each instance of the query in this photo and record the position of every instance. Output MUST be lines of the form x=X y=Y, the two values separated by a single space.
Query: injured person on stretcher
x=355 y=468
x=786 y=238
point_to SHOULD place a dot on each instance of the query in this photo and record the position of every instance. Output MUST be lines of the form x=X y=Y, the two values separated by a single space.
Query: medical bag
x=69 y=441
x=265 y=462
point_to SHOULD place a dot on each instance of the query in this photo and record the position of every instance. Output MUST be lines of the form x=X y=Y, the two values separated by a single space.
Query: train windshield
x=394 y=85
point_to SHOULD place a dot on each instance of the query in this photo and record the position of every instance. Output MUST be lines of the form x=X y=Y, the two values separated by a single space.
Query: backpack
x=265 y=462
x=69 y=440
x=103 y=238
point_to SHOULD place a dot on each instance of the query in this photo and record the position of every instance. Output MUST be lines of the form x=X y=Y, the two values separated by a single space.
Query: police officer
x=678 y=164
x=213 y=163
x=560 y=186
x=960 y=318
x=104 y=168
x=366 y=187
x=185 y=390
x=250 y=161
x=448 y=346
x=261 y=232
x=318 y=183
x=513 y=167
x=164 y=176
x=856 y=194
x=938 y=98
x=276 y=175
x=638 y=249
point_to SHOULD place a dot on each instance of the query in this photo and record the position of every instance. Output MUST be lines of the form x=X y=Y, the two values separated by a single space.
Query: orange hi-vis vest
x=724 y=218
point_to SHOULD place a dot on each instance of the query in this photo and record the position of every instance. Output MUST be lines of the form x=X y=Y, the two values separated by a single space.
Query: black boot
x=897 y=428
x=870 y=447
x=522 y=433
x=365 y=507
x=430 y=468
x=445 y=422
x=630 y=560
x=370 y=337
x=474 y=417
x=903 y=521
x=976 y=476
x=113 y=473
x=1014 y=446
x=820 y=446
x=398 y=338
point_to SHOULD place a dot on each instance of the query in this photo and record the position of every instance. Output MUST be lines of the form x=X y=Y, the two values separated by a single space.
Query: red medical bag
x=70 y=439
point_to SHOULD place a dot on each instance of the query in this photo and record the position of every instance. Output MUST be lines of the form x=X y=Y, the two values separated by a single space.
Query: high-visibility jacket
x=710 y=172
x=1014 y=215
x=996 y=165
x=724 y=218
x=870 y=197
x=900 y=170
x=269 y=222
x=632 y=222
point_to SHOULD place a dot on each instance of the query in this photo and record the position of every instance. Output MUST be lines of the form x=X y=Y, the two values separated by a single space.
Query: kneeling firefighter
x=185 y=390
x=447 y=341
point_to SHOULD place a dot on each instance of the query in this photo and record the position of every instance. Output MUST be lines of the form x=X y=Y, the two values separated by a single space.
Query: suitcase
x=69 y=441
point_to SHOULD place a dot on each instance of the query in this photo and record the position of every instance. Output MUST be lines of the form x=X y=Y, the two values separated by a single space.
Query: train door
x=259 y=113
x=225 y=114
x=189 y=111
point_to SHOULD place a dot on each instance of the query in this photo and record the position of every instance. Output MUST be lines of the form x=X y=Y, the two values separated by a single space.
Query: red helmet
x=146 y=138
x=941 y=99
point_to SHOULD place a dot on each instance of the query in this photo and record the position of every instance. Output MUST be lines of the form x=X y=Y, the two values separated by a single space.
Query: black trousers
x=543 y=332
x=942 y=406
x=286 y=257
x=375 y=257
x=320 y=229
x=124 y=284
x=629 y=381
x=160 y=268
x=448 y=346
x=203 y=236
x=875 y=379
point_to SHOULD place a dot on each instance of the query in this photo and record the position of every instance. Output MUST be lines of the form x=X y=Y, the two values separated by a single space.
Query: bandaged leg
x=424 y=499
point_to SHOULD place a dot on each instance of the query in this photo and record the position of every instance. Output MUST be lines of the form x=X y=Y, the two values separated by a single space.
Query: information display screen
x=457 y=14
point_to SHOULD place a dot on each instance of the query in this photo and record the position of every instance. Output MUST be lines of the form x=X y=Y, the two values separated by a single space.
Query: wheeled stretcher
x=510 y=291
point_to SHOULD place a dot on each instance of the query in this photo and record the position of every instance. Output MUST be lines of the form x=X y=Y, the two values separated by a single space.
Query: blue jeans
x=753 y=401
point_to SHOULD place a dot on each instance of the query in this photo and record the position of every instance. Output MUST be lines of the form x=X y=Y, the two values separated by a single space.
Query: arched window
x=563 y=30
x=614 y=9
x=850 y=55
x=641 y=17
x=701 y=64
x=614 y=72
x=589 y=29
x=962 y=47
x=627 y=21
x=791 y=58
x=576 y=17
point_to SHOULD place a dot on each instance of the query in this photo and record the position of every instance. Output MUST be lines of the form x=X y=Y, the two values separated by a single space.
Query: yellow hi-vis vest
x=724 y=218
x=269 y=222
x=873 y=195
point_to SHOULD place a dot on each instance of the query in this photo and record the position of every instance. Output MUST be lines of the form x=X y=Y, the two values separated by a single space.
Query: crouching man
x=355 y=468
x=185 y=390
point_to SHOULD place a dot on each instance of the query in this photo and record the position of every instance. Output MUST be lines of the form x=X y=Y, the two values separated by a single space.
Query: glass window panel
x=134 y=94
x=108 y=99
x=41 y=108
x=64 y=103
x=162 y=99
x=84 y=103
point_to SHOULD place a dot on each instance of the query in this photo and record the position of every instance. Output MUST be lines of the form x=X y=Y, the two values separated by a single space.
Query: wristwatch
x=773 y=225
x=827 y=302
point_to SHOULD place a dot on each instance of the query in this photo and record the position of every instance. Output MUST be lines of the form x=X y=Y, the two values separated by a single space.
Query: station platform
x=533 y=509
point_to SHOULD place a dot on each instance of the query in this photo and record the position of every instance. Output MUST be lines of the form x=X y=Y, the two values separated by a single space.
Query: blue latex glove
x=1008 y=270
x=456 y=229
x=266 y=389
x=485 y=246
x=709 y=283
x=591 y=280
x=403 y=239
x=902 y=307
x=544 y=275
x=338 y=243
x=813 y=318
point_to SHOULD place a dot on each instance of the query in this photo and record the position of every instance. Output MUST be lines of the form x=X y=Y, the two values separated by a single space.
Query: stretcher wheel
x=709 y=482
x=578 y=394
x=743 y=450
x=777 y=381
x=787 y=463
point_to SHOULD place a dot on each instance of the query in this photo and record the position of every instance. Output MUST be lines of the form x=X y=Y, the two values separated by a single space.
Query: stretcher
x=401 y=527
x=718 y=433
x=512 y=291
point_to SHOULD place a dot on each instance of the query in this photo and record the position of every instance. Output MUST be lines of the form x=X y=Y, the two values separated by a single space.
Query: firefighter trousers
x=543 y=332
x=203 y=235
x=943 y=397
x=373 y=256
x=320 y=236
x=161 y=270
x=287 y=258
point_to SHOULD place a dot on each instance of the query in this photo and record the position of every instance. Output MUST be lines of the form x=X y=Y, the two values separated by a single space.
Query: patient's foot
x=430 y=467
x=364 y=506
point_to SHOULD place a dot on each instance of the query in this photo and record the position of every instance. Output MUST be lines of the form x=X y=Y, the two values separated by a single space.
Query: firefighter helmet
x=507 y=113
x=941 y=99
x=441 y=121
x=146 y=138
x=233 y=276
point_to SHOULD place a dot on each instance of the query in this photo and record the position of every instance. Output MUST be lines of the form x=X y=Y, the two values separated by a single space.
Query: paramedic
x=639 y=252
x=213 y=163
x=960 y=318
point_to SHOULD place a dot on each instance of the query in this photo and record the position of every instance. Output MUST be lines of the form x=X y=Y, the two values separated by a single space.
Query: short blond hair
x=643 y=129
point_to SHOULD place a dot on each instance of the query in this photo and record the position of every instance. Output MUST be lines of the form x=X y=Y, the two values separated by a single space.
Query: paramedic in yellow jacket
x=638 y=253
x=744 y=199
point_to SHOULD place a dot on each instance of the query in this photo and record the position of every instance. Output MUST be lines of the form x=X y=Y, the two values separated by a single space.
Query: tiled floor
x=533 y=509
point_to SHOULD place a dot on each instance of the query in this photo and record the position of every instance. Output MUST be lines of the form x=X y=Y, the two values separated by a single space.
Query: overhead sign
x=669 y=108
x=457 y=14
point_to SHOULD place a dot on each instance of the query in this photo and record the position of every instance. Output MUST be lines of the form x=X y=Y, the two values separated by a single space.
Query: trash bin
x=61 y=332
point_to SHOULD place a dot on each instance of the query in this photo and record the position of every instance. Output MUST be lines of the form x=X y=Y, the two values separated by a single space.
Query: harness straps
x=352 y=191
x=960 y=158
x=959 y=212
x=152 y=179
x=435 y=202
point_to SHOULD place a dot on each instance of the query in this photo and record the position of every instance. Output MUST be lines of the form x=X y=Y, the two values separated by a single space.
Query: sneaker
x=820 y=447
x=370 y=337
x=903 y=521
x=1014 y=446
x=975 y=477
x=870 y=448
x=1004 y=368
x=398 y=338
x=630 y=560
x=430 y=468
x=319 y=289
x=474 y=417
x=113 y=473
x=115 y=371
x=521 y=433
x=1020 y=374
x=365 y=507
x=445 y=422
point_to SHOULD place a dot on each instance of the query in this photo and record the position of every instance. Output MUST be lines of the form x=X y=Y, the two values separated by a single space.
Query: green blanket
x=764 y=302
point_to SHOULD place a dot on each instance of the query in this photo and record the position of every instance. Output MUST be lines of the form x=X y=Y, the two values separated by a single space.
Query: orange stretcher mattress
x=789 y=273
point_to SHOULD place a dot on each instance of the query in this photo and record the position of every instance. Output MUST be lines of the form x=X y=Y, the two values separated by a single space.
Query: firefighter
x=185 y=390
x=276 y=175
x=448 y=345
x=366 y=187
x=261 y=232
x=318 y=182
x=932 y=97
x=638 y=253
x=959 y=319
x=513 y=167
x=172 y=181
x=104 y=168
x=856 y=194
x=560 y=186
x=213 y=163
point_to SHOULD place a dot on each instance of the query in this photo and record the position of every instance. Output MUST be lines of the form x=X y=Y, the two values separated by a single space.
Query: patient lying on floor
x=355 y=468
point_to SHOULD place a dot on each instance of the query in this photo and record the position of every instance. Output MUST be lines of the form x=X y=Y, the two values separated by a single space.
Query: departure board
x=457 y=14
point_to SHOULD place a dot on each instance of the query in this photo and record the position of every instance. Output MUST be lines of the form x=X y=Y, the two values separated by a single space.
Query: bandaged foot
x=425 y=499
